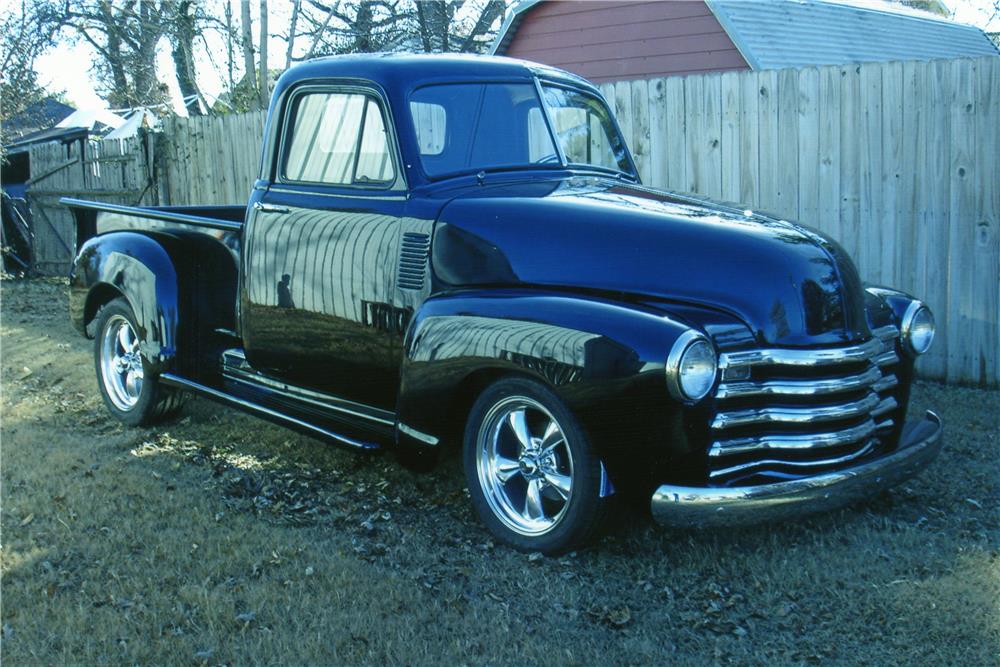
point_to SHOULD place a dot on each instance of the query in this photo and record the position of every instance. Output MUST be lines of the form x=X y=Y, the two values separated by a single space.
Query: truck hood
x=792 y=286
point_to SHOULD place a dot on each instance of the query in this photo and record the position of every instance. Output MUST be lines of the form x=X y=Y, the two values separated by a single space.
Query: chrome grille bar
x=798 y=465
x=885 y=405
x=846 y=436
x=821 y=387
x=887 y=382
x=796 y=415
x=822 y=357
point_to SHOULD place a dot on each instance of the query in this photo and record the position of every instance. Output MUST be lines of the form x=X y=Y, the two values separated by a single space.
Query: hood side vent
x=413 y=256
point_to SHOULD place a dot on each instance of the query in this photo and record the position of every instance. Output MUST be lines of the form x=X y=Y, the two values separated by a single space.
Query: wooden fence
x=897 y=161
x=209 y=159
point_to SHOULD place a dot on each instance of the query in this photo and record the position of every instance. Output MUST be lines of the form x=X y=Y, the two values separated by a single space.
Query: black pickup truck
x=458 y=250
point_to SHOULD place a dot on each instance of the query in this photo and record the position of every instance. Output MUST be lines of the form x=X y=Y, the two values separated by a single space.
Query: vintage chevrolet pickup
x=444 y=249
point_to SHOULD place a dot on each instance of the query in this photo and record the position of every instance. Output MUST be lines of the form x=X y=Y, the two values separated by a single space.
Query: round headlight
x=918 y=327
x=691 y=367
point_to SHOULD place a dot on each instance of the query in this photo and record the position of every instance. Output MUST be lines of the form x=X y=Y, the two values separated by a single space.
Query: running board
x=171 y=380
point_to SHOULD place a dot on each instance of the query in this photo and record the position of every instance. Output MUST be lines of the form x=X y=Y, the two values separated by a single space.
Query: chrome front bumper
x=690 y=507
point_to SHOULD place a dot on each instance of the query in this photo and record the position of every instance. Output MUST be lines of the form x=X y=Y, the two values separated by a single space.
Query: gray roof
x=775 y=34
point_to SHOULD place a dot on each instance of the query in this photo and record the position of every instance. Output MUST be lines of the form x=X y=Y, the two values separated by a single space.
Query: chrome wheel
x=525 y=465
x=121 y=363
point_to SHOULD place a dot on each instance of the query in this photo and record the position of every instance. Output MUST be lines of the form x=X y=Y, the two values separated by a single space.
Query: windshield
x=467 y=127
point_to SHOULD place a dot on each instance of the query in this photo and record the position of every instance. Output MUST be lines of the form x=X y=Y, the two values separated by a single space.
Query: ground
x=223 y=540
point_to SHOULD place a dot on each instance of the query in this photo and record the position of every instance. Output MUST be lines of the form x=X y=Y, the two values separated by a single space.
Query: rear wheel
x=532 y=474
x=130 y=391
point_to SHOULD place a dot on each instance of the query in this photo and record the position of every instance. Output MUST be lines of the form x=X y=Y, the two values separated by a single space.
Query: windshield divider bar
x=548 y=121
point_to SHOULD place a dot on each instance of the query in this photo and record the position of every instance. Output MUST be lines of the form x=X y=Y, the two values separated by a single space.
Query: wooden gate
x=117 y=171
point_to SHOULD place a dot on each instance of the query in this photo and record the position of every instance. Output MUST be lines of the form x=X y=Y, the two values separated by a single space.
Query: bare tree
x=456 y=25
x=125 y=36
x=366 y=26
x=26 y=31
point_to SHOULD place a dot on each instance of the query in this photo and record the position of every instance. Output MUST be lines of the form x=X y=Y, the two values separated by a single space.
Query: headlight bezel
x=914 y=310
x=675 y=363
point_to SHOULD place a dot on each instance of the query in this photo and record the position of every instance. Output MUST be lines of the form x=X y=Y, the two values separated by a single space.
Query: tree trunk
x=183 y=47
x=250 y=75
x=120 y=96
x=265 y=92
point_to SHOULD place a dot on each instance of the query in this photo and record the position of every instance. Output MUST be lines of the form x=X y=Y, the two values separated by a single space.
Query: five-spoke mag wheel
x=525 y=465
x=533 y=477
x=131 y=392
x=121 y=363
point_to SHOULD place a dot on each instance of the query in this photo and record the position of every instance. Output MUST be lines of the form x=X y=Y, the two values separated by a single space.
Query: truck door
x=320 y=249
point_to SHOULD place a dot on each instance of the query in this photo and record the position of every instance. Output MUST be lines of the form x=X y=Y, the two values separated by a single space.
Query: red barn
x=607 y=41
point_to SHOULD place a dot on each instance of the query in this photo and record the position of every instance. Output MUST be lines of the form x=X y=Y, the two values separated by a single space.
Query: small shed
x=609 y=41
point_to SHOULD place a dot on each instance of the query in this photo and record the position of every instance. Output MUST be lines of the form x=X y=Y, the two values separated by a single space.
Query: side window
x=338 y=139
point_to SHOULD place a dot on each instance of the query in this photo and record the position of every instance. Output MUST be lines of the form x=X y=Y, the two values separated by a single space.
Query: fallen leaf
x=25 y=373
x=975 y=503
x=246 y=617
x=28 y=519
x=535 y=557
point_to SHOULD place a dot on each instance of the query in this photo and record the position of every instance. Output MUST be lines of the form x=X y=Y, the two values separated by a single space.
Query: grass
x=222 y=540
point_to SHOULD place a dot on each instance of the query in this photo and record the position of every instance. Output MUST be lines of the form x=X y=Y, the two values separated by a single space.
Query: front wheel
x=532 y=474
x=130 y=391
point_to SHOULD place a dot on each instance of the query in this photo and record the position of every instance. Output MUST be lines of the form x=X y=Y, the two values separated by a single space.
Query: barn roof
x=777 y=34
x=798 y=33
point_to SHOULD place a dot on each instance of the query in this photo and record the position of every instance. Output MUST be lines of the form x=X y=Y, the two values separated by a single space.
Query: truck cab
x=457 y=252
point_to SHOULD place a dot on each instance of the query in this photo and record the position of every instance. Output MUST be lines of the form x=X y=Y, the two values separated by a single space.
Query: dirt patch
x=221 y=539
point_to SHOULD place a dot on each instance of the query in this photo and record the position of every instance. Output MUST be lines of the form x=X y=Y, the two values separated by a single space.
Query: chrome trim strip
x=698 y=507
x=800 y=387
x=820 y=357
x=793 y=442
x=766 y=463
x=416 y=435
x=796 y=415
x=172 y=380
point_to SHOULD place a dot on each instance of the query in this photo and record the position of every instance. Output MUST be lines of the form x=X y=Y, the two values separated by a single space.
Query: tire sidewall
x=577 y=524
x=142 y=411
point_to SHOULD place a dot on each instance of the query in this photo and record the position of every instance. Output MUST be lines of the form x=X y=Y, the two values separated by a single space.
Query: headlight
x=918 y=327
x=691 y=367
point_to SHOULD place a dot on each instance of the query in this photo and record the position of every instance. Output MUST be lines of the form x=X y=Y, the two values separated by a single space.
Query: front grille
x=790 y=413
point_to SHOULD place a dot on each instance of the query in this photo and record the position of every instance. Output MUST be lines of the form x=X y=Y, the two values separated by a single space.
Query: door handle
x=269 y=208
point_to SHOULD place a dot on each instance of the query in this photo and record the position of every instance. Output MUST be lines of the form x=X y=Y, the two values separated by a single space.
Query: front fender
x=603 y=358
x=140 y=269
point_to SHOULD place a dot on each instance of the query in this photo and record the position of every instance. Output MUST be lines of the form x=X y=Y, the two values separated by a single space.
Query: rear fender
x=604 y=359
x=138 y=268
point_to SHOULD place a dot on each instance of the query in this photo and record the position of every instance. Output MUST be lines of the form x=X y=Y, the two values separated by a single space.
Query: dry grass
x=220 y=539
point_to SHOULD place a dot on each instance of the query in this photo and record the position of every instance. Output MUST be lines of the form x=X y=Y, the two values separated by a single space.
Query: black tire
x=490 y=441
x=135 y=404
